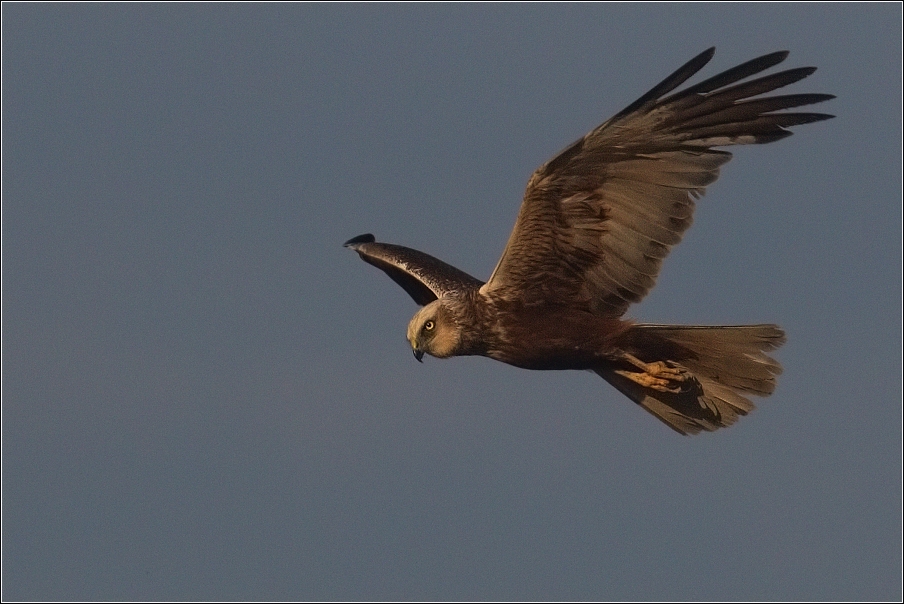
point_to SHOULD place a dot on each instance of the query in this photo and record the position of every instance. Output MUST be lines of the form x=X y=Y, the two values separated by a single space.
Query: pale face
x=433 y=331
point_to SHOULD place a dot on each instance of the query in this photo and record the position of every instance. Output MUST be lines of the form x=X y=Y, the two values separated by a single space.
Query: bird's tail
x=696 y=377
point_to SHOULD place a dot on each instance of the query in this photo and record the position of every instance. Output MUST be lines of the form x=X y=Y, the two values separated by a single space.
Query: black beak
x=418 y=354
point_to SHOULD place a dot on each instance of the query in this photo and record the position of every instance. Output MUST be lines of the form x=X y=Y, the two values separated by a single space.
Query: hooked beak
x=417 y=352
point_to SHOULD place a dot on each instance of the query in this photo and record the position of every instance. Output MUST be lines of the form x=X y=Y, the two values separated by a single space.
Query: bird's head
x=434 y=330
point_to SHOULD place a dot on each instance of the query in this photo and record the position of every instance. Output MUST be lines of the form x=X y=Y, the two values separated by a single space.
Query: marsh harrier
x=594 y=226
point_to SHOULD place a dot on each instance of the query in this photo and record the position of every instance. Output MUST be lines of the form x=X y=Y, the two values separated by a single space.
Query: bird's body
x=594 y=227
x=531 y=336
x=549 y=336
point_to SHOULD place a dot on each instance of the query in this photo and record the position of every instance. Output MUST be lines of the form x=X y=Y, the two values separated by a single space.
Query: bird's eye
x=429 y=325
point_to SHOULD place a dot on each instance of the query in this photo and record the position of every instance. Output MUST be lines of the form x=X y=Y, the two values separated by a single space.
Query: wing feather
x=599 y=218
x=424 y=277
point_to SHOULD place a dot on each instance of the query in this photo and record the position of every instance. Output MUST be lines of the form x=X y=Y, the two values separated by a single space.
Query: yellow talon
x=658 y=375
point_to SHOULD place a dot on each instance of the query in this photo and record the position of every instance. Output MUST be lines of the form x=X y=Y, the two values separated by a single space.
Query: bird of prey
x=595 y=224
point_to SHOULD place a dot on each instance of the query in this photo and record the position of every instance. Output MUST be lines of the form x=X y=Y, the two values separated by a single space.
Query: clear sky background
x=206 y=397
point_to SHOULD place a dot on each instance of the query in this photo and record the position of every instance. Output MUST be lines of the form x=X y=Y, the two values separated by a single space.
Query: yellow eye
x=429 y=325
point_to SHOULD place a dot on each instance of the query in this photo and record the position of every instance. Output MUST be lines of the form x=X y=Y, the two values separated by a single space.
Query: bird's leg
x=660 y=375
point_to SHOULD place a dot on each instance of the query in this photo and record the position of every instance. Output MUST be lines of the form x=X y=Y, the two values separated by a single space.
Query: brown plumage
x=594 y=227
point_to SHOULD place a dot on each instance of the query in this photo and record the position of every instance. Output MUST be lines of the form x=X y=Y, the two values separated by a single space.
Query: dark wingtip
x=779 y=55
x=365 y=238
x=669 y=84
x=820 y=98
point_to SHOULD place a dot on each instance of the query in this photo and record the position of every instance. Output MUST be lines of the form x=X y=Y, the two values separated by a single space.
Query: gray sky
x=206 y=397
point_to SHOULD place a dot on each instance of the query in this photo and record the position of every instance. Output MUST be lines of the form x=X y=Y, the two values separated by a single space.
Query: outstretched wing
x=598 y=219
x=424 y=277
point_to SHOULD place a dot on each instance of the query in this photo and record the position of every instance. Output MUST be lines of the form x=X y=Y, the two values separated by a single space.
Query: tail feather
x=725 y=363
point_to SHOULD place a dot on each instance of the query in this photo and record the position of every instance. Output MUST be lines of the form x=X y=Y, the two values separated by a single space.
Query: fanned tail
x=717 y=368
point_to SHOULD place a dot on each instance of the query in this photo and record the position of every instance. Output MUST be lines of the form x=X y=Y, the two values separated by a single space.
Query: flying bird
x=595 y=224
